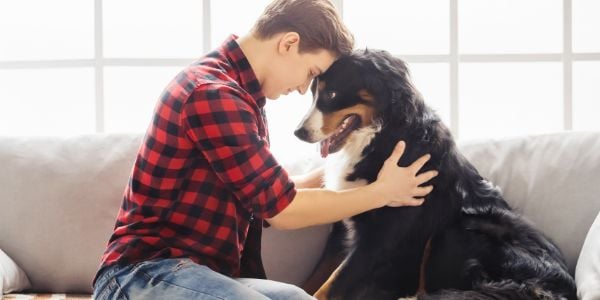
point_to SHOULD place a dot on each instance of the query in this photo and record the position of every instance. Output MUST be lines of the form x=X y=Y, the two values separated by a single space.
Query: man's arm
x=395 y=186
x=223 y=127
x=321 y=206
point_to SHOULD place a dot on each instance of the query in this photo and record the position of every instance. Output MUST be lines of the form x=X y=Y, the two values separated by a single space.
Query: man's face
x=293 y=71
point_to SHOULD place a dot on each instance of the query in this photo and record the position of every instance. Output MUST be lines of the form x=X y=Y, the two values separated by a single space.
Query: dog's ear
x=389 y=79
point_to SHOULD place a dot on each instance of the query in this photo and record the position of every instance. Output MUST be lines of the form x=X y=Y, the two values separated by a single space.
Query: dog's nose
x=301 y=133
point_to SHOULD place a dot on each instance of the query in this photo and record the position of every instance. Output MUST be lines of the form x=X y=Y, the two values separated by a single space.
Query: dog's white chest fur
x=340 y=164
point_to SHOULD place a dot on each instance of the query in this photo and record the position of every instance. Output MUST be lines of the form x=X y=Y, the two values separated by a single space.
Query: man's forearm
x=320 y=206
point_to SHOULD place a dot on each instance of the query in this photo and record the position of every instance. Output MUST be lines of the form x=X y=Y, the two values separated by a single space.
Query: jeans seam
x=119 y=290
x=149 y=277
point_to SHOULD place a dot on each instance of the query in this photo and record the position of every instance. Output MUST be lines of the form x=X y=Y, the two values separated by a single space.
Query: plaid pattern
x=204 y=178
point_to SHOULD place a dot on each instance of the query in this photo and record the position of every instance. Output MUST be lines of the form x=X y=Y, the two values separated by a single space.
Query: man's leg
x=172 y=279
x=275 y=290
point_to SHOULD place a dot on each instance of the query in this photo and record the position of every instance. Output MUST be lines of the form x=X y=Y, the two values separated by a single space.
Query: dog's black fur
x=480 y=248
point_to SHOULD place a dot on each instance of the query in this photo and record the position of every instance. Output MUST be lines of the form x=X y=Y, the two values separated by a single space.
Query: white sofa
x=59 y=198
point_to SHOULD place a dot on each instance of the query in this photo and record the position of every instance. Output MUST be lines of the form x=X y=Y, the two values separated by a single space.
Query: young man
x=204 y=180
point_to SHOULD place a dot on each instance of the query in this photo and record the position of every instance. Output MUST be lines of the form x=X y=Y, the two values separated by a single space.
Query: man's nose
x=301 y=133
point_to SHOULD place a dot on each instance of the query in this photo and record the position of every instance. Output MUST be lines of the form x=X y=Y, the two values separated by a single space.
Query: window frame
x=454 y=59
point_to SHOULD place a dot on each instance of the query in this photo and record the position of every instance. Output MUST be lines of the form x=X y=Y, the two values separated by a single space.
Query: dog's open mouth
x=335 y=142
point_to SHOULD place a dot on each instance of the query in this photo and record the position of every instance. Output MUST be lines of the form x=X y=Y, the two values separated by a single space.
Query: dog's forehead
x=342 y=75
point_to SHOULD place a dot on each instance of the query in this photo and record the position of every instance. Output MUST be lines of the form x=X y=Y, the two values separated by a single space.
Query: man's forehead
x=324 y=59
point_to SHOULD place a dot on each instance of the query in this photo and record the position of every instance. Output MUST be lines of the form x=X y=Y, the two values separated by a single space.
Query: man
x=204 y=179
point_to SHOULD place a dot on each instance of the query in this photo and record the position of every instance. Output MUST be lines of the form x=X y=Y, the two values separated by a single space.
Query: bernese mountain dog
x=464 y=242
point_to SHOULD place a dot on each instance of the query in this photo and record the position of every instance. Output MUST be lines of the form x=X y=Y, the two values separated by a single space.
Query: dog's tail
x=506 y=289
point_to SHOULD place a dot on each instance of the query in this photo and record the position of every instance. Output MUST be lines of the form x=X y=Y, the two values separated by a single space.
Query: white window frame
x=454 y=59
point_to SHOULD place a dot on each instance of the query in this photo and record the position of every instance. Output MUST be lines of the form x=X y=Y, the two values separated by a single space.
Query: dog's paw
x=320 y=295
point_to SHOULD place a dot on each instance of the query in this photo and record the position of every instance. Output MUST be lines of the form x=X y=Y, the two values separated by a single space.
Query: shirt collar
x=241 y=66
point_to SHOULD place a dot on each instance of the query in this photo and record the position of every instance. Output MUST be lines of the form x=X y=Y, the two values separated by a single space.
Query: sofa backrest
x=58 y=201
x=59 y=198
x=552 y=179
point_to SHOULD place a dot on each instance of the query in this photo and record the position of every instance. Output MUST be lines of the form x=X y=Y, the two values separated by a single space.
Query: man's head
x=307 y=36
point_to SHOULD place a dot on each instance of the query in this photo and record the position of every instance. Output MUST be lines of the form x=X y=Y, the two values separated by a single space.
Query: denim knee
x=106 y=286
x=275 y=289
x=292 y=292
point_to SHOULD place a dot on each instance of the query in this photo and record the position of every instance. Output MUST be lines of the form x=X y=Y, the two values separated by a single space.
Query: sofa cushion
x=552 y=179
x=587 y=273
x=12 y=278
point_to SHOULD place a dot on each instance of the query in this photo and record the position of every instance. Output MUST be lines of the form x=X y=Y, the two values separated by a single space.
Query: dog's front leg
x=323 y=292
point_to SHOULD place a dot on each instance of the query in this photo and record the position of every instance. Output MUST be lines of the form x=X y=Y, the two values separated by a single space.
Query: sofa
x=59 y=197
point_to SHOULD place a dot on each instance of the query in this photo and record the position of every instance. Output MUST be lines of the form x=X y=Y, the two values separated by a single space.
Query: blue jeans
x=181 y=278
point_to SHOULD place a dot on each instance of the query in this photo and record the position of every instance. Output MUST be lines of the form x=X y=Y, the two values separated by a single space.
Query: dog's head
x=369 y=88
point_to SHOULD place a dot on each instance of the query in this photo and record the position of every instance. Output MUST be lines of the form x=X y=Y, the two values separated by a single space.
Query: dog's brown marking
x=321 y=85
x=333 y=120
x=421 y=290
x=365 y=95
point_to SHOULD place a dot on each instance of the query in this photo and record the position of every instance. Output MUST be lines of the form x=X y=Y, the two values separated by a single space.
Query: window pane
x=510 y=26
x=152 y=28
x=509 y=99
x=226 y=21
x=284 y=115
x=586 y=95
x=401 y=27
x=131 y=94
x=40 y=29
x=47 y=102
x=586 y=26
x=433 y=81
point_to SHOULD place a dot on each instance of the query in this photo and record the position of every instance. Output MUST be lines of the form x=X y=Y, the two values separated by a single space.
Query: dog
x=464 y=242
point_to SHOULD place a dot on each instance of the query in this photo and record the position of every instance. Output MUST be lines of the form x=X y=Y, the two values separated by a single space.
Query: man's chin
x=274 y=96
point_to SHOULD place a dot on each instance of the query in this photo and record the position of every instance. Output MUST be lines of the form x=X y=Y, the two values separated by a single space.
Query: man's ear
x=289 y=41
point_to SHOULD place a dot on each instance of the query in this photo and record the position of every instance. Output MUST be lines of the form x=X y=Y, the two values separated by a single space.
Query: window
x=504 y=74
x=487 y=69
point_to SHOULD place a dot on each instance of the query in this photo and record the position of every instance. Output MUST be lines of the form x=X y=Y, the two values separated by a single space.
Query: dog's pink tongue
x=324 y=148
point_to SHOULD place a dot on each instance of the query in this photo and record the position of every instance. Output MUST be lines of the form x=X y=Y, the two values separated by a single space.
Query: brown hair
x=316 y=21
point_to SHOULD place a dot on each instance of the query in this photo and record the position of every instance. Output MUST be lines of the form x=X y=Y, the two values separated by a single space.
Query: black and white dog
x=464 y=242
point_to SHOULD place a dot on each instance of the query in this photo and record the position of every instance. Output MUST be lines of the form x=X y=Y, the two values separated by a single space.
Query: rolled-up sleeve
x=224 y=128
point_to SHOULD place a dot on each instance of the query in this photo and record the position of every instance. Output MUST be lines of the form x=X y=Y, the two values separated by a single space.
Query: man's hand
x=399 y=186
x=310 y=180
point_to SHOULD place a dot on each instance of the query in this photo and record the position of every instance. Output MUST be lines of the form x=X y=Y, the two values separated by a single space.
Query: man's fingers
x=424 y=177
x=414 y=202
x=419 y=163
x=398 y=151
x=410 y=202
x=423 y=191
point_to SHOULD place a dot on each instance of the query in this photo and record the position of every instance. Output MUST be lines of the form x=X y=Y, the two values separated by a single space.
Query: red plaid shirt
x=204 y=177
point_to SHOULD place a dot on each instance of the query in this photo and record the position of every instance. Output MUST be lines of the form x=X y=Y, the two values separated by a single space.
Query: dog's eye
x=331 y=95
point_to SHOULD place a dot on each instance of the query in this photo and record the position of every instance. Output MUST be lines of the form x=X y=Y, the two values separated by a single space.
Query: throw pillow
x=12 y=278
x=587 y=272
